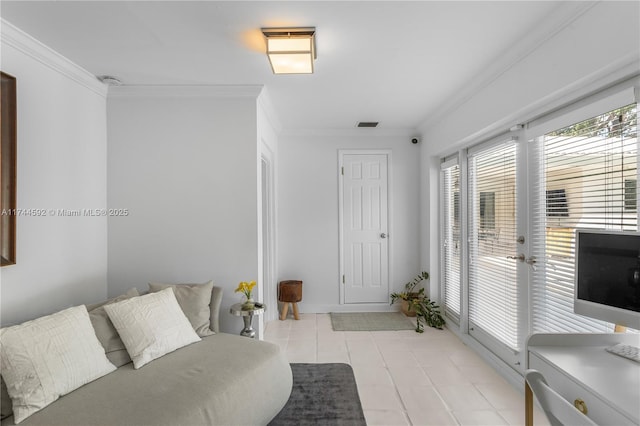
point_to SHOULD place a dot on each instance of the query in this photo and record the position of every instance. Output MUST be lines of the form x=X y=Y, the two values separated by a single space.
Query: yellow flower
x=246 y=288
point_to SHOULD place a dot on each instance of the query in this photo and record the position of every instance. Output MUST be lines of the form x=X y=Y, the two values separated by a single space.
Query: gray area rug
x=370 y=321
x=323 y=394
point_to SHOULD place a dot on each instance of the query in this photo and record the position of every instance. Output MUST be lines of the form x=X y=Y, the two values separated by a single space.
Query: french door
x=497 y=258
x=451 y=234
x=509 y=211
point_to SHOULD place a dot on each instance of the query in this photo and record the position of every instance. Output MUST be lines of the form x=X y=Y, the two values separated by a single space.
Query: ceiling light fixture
x=291 y=50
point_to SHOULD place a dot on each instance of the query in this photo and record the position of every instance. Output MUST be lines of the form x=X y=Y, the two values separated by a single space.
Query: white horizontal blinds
x=493 y=296
x=588 y=179
x=450 y=237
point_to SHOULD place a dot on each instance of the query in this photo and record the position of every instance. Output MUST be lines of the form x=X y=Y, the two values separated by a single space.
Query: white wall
x=61 y=261
x=600 y=43
x=597 y=49
x=184 y=162
x=308 y=240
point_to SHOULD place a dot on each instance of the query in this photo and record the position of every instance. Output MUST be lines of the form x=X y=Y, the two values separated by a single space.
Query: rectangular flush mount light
x=291 y=50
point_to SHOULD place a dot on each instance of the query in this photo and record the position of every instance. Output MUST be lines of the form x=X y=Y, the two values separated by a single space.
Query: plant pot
x=404 y=305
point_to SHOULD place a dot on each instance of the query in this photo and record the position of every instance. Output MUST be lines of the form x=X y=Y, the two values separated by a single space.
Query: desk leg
x=528 y=405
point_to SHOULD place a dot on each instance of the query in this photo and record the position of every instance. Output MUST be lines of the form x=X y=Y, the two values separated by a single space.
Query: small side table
x=290 y=292
x=247 y=317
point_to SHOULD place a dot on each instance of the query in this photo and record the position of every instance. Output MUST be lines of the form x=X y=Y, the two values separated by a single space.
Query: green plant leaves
x=427 y=311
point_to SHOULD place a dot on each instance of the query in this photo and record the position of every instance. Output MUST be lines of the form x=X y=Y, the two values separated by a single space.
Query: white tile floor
x=407 y=378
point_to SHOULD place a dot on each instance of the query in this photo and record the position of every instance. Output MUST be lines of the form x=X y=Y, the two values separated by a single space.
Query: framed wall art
x=8 y=159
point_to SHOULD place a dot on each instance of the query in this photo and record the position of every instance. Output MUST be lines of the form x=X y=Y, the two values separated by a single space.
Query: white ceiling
x=390 y=61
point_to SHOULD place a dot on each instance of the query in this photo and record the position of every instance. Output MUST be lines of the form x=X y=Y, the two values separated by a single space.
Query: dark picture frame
x=8 y=160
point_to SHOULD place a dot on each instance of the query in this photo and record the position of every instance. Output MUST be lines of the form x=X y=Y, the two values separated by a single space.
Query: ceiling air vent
x=367 y=124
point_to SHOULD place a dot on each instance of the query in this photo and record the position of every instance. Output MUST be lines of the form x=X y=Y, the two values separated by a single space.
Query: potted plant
x=416 y=303
x=246 y=288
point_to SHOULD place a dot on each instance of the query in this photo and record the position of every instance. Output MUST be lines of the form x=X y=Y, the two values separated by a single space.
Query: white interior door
x=364 y=224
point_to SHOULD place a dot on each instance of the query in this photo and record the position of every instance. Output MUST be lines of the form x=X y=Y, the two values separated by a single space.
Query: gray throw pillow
x=194 y=299
x=107 y=333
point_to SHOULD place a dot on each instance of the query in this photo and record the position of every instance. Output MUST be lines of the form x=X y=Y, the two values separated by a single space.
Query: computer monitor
x=607 y=276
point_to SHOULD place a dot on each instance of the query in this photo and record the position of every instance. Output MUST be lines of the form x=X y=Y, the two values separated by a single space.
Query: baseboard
x=514 y=378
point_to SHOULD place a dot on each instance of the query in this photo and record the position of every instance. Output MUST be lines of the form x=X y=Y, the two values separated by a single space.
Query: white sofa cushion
x=151 y=326
x=194 y=299
x=48 y=357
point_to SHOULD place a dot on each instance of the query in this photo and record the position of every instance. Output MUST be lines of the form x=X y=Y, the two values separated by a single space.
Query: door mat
x=322 y=394
x=370 y=321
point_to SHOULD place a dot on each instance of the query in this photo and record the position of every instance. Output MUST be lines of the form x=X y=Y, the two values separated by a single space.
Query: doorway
x=268 y=236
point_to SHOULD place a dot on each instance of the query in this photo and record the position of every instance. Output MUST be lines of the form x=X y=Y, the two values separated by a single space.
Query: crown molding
x=185 y=91
x=567 y=13
x=351 y=132
x=16 y=38
x=621 y=73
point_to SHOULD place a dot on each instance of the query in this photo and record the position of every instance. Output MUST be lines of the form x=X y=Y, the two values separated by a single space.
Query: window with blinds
x=493 y=294
x=450 y=237
x=587 y=178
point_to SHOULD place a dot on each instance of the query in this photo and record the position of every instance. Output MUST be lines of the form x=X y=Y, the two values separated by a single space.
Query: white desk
x=578 y=368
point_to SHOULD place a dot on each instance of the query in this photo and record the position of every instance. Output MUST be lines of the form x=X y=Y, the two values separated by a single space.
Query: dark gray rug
x=323 y=394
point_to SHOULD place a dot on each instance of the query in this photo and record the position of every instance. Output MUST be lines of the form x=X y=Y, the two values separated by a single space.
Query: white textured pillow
x=194 y=300
x=151 y=326
x=48 y=357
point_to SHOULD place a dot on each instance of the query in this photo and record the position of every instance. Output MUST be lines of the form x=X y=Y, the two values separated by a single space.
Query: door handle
x=383 y=235
x=531 y=261
x=521 y=257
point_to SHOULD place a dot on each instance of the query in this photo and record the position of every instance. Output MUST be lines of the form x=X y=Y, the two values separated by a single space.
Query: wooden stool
x=290 y=292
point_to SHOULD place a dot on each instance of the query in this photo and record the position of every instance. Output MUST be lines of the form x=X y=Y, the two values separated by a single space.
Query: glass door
x=497 y=260
x=451 y=238
x=588 y=174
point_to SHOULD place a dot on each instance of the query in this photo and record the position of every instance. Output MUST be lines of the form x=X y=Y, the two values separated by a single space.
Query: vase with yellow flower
x=246 y=288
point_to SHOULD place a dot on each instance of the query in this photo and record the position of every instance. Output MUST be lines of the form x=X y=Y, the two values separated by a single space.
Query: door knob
x=531 y=261
x=383 y=235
